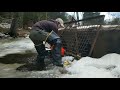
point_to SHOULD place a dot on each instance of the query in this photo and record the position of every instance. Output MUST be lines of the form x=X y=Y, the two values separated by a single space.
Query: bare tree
x=13 y=28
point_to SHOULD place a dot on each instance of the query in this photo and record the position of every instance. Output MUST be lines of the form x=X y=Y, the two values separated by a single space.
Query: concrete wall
x=107 y=42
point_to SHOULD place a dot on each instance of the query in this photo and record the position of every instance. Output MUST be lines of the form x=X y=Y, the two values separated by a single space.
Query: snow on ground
x=16 y=46
x=5 y=25
x=107 y=66
x=19 y=45
x=90 y=26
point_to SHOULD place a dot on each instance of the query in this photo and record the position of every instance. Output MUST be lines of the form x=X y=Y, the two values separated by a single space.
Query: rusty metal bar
x=85 y=19
x=94 y=41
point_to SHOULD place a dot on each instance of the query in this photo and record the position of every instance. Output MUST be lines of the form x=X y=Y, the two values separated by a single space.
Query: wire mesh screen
x=80 y=40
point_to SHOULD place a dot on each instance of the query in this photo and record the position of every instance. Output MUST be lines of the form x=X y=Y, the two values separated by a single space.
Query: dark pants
x=38 y=36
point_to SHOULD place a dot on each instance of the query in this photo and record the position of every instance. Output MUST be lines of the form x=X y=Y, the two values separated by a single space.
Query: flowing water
x=17 y=52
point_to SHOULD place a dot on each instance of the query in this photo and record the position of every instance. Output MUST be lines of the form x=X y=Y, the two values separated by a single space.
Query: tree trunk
x=13 y=27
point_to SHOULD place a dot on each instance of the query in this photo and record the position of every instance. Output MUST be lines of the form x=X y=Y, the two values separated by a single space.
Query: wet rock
x=110 y=67
x=34 y=67
x=3 y=35
x=30 y=67
x=18 y=58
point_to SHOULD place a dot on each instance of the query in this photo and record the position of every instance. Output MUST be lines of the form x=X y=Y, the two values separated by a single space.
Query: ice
x=107 y=66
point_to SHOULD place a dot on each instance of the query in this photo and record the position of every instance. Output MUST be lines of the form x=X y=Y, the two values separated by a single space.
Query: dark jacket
x=47 y=25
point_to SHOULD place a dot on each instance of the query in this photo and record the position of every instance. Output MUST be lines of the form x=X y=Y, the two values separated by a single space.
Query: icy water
x=15 y=53
x=9 y=71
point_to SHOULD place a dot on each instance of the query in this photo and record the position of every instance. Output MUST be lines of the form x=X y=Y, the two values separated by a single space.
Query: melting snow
x=107 y=66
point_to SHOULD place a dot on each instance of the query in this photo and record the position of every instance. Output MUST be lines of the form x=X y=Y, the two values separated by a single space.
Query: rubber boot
x=40 y=57
x=39 y=64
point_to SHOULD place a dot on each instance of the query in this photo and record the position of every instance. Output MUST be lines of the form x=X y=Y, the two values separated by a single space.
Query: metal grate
x=81 y=40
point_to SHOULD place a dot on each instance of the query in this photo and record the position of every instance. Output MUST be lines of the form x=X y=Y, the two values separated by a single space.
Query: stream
x=17 y=52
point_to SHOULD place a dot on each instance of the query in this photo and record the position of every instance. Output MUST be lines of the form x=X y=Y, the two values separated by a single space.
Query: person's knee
x=56 y=41
x=52 y=37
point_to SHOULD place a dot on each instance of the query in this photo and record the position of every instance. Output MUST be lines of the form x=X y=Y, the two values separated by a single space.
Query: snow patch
x=16 y=46
x=107 y=66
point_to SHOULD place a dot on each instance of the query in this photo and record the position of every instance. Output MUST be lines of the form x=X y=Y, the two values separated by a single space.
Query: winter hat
x=61 y=22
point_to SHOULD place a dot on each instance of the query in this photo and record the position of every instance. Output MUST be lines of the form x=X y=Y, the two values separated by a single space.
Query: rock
x=29 y=67
x=3 y=35
x=62 y=70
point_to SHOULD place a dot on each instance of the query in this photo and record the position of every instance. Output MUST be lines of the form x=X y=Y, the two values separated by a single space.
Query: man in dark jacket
x=47 y=31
